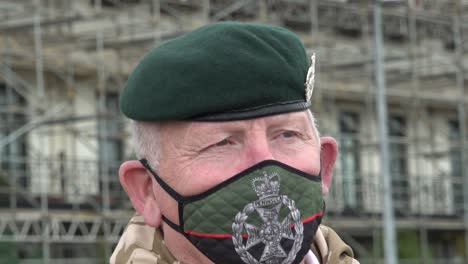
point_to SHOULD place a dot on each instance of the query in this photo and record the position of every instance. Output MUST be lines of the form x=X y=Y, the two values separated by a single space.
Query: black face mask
x=269 y=213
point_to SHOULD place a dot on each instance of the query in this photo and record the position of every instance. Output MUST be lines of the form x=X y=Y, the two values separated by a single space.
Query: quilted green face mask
x=268 y=213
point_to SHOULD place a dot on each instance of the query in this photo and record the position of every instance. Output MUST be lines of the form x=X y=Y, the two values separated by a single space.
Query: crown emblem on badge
x=266 y=186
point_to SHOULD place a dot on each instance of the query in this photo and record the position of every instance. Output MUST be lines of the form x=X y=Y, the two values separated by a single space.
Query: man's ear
x=329 y=151
x=138 y=184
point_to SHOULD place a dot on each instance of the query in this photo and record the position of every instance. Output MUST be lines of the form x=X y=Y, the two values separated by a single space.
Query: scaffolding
x=62 y=138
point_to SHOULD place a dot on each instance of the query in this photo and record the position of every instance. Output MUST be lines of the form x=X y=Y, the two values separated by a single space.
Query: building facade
x=62 y=137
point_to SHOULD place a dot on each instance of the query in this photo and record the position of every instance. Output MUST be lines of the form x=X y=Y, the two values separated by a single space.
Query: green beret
x=221 y=71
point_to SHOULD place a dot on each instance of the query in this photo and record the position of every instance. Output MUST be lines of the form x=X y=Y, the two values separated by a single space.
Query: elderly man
x=232 y=168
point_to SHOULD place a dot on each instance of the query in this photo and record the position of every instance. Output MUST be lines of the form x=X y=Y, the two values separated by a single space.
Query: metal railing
x=70 y=183
x=422 y=195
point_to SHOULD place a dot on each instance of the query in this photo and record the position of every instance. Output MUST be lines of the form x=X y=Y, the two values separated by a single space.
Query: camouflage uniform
x=141 y=244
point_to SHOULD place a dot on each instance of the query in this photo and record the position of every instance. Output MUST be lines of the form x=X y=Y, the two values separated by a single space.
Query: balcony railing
x=66 y=183
x=424 y=195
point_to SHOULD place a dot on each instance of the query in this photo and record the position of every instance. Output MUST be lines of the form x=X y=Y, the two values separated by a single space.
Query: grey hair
x=146 y=139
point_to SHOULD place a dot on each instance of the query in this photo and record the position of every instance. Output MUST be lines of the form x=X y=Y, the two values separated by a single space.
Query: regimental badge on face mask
x=272 y=229
x=268 y=213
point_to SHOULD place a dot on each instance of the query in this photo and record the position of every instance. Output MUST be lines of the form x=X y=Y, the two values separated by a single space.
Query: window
x=456 y=164
x=397 y=132
x=13 y=111
x=350 y=161
x=110 y=141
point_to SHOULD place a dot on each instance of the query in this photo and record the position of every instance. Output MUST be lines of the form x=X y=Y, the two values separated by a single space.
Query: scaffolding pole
x=156 y=11
x=40 y=94
x=10 y=119
x=458 y=41
x=206 y=10
x=314 y=29
x=415 y=107
x=38 y=51
x=388 y=214
x=102 y=130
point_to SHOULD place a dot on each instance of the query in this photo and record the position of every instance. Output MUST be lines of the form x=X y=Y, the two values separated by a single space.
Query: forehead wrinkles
x=178 y=134
x=297 y=119
x=205 y=128
x=172 y=134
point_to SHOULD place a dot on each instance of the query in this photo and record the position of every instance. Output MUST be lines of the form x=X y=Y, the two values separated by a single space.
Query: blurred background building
x=62 y=138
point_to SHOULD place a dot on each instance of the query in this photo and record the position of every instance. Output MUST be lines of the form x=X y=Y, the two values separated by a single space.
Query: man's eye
x=289 y=134
x=223 y=142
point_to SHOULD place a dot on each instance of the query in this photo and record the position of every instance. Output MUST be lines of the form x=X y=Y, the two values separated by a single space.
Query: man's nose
x=258 y=149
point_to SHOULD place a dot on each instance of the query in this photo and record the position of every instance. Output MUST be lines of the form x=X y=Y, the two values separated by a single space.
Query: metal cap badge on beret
x=221 y=71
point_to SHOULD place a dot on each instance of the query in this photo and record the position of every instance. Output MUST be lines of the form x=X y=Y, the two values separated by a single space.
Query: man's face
x=196 y=156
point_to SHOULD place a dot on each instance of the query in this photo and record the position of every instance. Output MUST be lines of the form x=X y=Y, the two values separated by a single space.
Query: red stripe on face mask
x=193 y=233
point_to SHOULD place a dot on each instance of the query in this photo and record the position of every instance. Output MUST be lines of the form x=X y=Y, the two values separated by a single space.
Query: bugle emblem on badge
x=310 y=79
x=272 y=230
